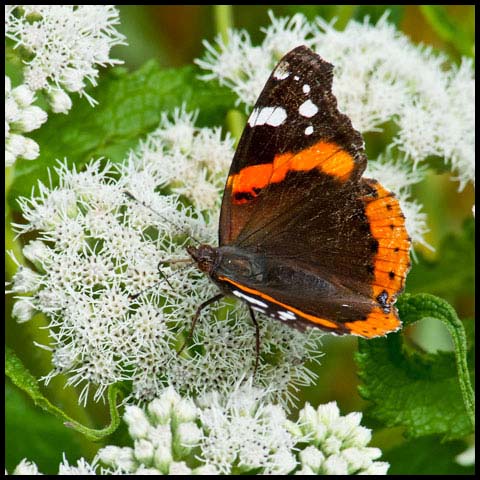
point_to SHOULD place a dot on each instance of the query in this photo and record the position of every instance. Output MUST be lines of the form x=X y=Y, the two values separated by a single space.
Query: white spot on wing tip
x=306 y=88
x=308 y=109
x=309 y=130
x=252 y=119
x=281 y=72
x=273 y=116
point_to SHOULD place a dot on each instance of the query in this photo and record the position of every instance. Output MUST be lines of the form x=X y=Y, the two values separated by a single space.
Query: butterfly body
x=303 y=237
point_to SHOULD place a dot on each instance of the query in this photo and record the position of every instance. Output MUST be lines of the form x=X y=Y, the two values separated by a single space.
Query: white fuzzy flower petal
x=23 y=310
x=26 y=468
x=235 y=432
x=67 y=43
x=97 y=252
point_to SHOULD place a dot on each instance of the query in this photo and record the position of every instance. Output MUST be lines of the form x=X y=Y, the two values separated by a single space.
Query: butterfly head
x=205 y=256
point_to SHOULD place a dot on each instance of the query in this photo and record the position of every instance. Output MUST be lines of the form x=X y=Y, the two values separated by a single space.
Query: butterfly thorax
x=228 y=261
x=230 y=265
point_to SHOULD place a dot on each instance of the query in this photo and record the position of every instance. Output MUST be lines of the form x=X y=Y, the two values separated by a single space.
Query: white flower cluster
x=20 y=117
x=96 y=248
x=234 y=434
x=337 y=445
x=379 y=76
x=67 y=44
x=62 y=47
x=26 y=467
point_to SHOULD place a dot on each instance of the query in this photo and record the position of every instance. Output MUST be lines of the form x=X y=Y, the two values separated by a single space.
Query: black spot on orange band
x=392 y=259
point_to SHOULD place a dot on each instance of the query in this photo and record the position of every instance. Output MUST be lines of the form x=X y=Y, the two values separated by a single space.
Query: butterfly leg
x=257 y=339
x=206 y=303
x=164 y=263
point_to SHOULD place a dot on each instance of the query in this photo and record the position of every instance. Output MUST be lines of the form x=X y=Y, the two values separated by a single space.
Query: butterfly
x=303 y=237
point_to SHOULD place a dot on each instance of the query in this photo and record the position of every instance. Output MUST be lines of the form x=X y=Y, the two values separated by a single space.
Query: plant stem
x=223 y=22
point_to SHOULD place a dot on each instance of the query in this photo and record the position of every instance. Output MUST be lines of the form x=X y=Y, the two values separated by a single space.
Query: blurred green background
x=173 y=34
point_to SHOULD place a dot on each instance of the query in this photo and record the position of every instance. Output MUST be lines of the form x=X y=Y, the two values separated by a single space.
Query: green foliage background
x=423 y=425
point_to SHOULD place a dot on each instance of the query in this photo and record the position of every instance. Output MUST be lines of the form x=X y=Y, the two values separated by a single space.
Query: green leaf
x=26 y=429
x=447 y=29
x=425 y=393
x=130 y=106
x=452 y=274
x=24 y=380
x=426 y=456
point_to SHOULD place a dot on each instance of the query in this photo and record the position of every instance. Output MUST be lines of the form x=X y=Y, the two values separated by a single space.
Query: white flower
x=26 y=468
x=338 y=443
x=82 y=468
x=112 y=316
x=467 y=457
x=137 y=421
x=235 y=433
x=59 y=101
x=20 y=117
x=26 y=280
x=245 y=431
x=379 y=76
x=66 y=43
x=23 y=310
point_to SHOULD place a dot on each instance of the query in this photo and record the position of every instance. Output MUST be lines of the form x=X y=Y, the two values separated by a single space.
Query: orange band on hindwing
x=327 y=157
x=377 y=323
x=387 y=226
x=390 y=263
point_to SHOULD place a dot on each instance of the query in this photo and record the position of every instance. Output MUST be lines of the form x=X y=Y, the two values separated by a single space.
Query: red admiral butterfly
x=303 y=237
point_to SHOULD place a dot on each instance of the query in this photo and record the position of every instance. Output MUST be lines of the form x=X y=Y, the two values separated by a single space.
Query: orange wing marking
x=387 y=225
x=327 y=157
x=376 y=324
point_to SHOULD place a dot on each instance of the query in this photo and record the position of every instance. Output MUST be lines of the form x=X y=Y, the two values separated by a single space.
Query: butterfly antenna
x=161 y=264
x=132 y=197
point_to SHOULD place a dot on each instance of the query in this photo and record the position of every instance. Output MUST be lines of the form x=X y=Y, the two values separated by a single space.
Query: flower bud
x=59 y=101
x=23 y=96
x=23 y=310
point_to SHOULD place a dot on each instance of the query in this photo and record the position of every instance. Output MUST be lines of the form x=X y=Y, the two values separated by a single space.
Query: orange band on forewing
x=319 y=321
x=327 y=157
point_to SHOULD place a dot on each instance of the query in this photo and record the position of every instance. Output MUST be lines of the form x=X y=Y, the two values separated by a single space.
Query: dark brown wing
x=296 y=111
x=295 y=197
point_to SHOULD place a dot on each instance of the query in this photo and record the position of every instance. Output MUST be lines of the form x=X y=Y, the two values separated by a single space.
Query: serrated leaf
x=129 y=106
x=23 y=379
x=425 y=393
x=453 y=271
x=426 y=456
